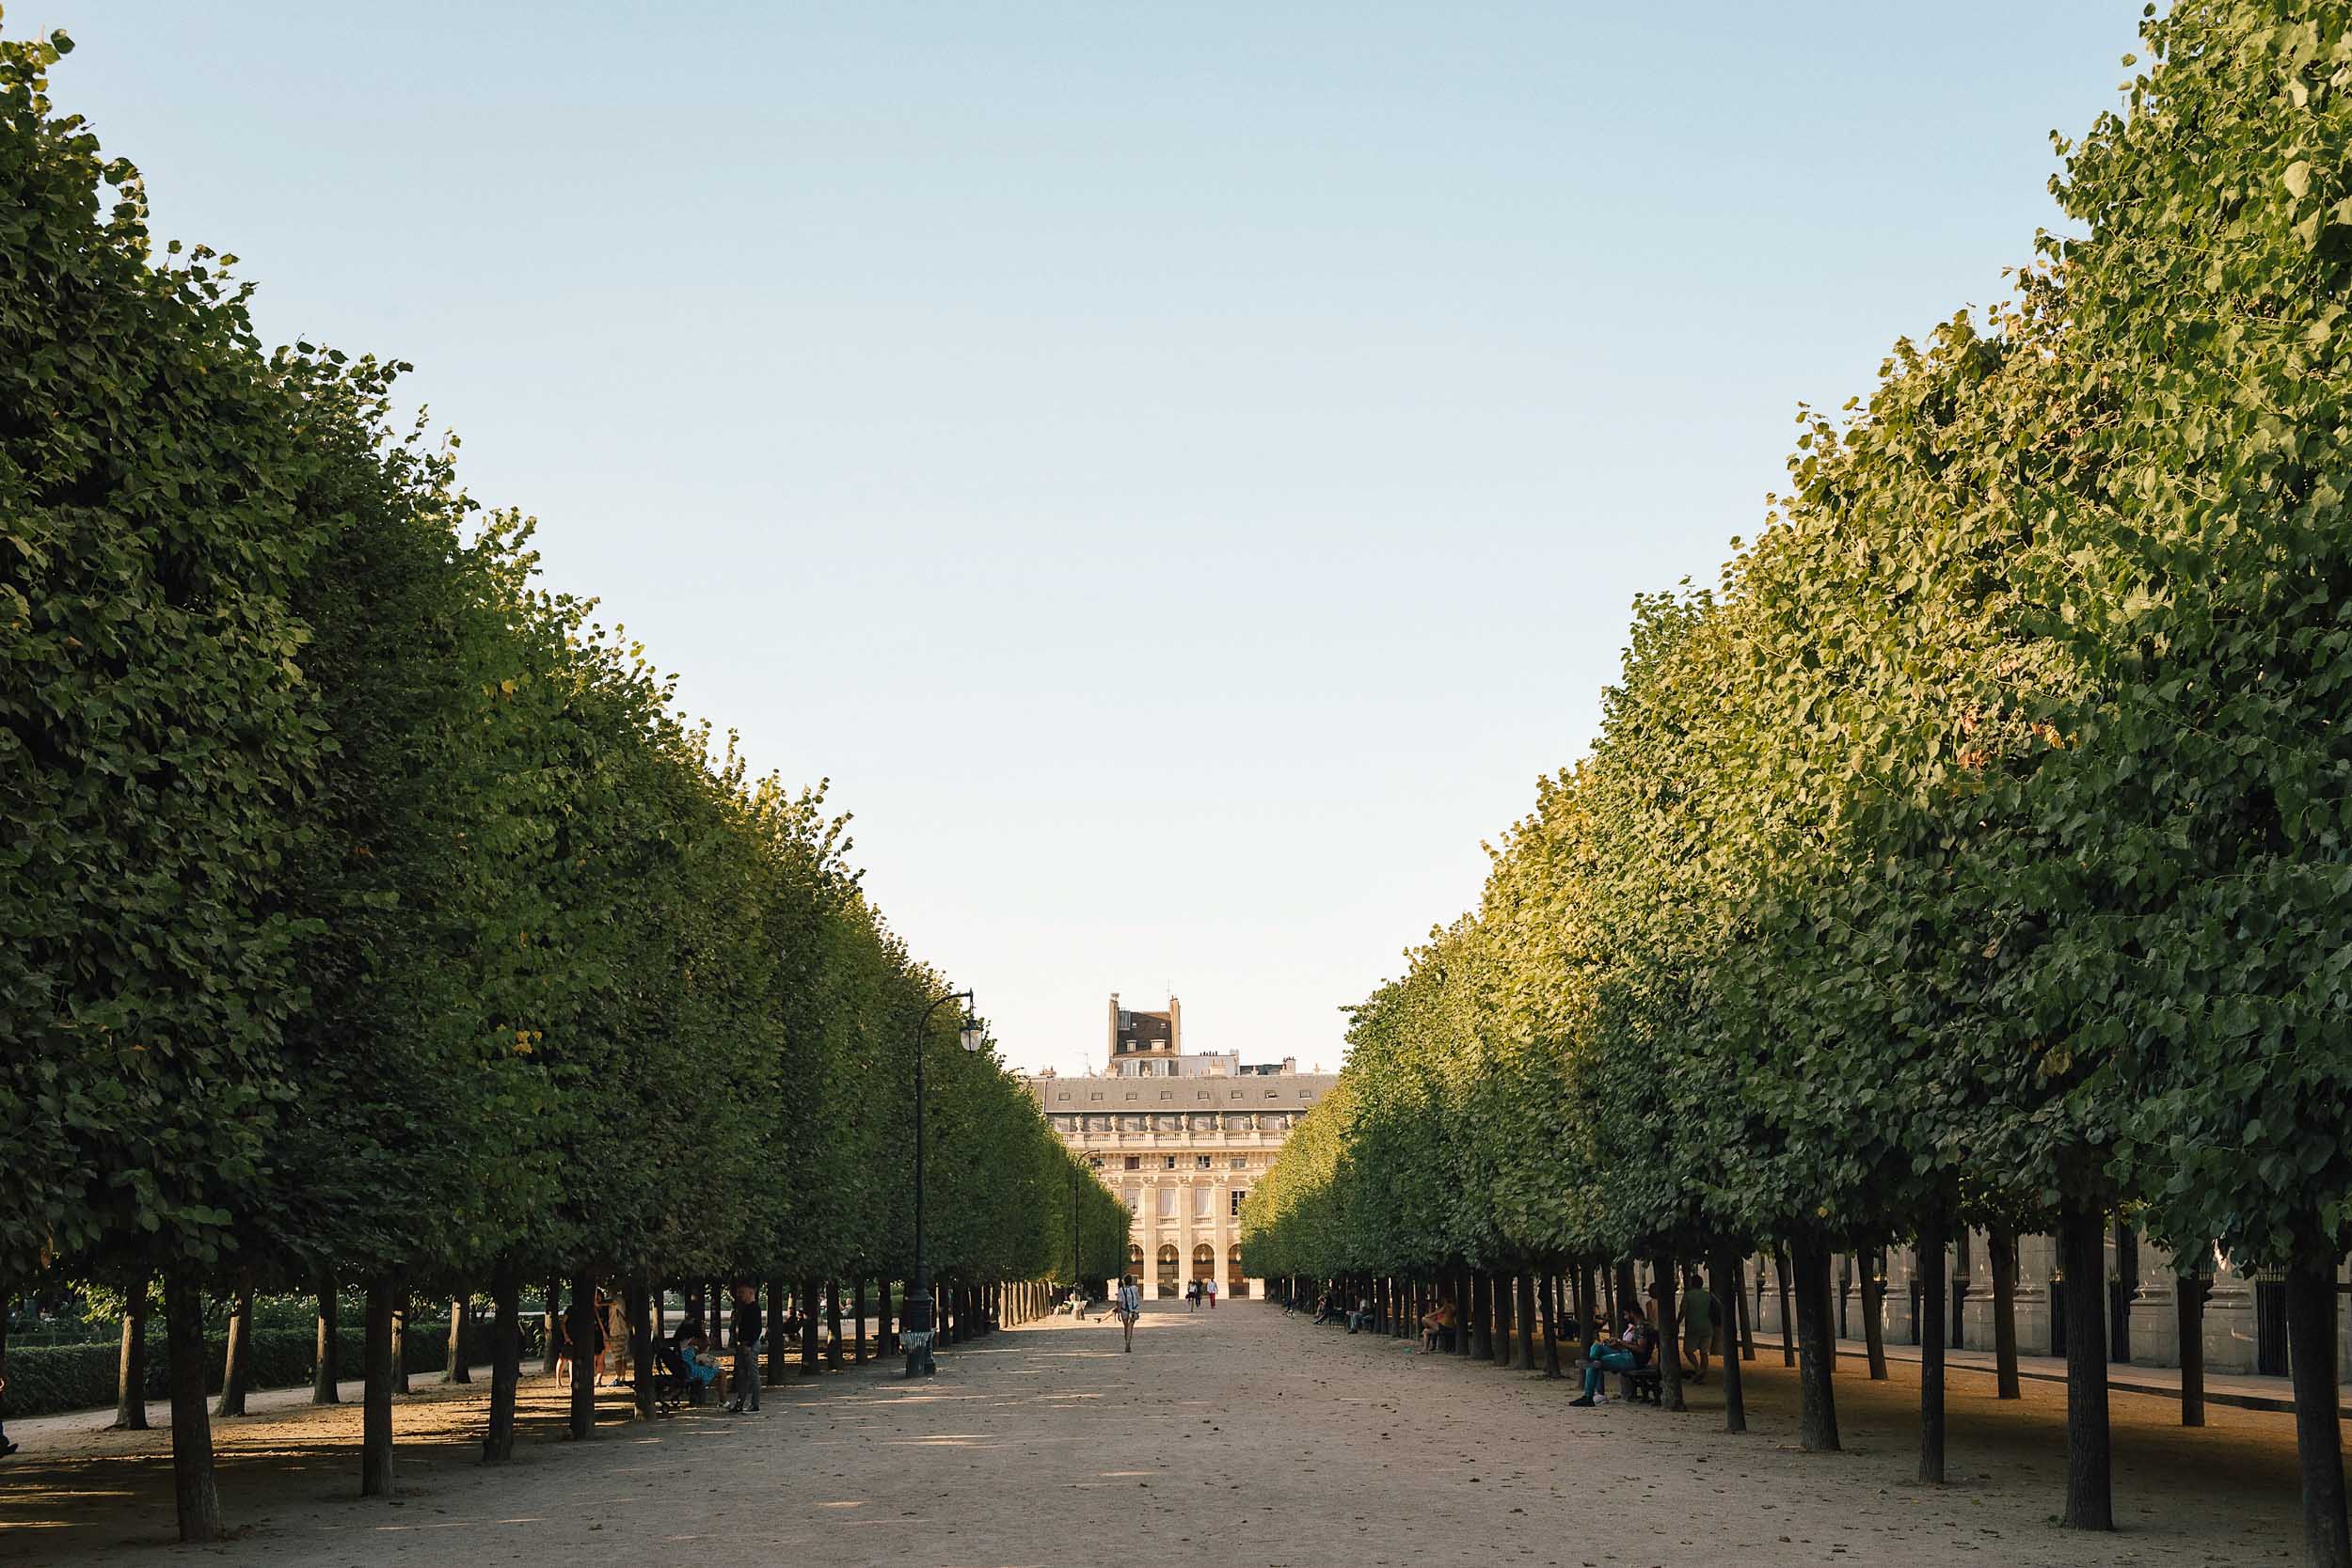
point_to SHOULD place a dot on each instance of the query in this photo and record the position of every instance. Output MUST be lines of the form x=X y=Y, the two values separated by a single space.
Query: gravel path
x=1236 y=1437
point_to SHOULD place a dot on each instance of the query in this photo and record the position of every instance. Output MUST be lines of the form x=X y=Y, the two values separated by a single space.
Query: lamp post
x=915 y=1332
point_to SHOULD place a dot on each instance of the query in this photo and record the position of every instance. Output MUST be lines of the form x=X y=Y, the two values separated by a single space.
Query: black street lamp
x=914 y=1328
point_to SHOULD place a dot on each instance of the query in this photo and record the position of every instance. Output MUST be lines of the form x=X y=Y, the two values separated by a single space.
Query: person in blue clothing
x=691 y=1343
x=1628 y=1351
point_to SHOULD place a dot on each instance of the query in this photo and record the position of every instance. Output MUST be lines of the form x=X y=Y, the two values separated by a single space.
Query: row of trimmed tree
x=369 y=915
x=1978 y=851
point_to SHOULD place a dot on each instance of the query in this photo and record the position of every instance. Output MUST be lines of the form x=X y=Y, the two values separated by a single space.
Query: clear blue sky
x=1181 y=470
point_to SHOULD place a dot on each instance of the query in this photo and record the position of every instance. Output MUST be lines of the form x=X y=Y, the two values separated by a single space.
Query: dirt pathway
x=1237 y=1436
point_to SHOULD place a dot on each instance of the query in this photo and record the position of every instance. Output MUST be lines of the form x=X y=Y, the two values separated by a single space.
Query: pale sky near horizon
x=1181 y=472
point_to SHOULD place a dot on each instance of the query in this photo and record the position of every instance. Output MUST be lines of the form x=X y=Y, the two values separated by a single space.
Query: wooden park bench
x=1640 y=1385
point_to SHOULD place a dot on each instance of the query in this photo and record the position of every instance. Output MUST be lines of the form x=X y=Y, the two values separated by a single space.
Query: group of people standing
x=1200 y=1290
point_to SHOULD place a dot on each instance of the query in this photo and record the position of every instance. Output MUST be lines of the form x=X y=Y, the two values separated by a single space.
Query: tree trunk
x=1526 y=1315
x=779 y=1351
x=130 y=1365
x=2188 y=1311
x=1743 y=1306
x=1874 y=1309
x=886 y=1327
x=1624 y=1297
x=809 y=1326
x=1787 y=1328
x=2003 y=1261
x=2089 y=1502
x=1551 y=1327
x=1498 y=1302
x=1464 y=1298
x=1817 y=1404
x=857 y=1311
x=330 y=1344
x=375 y=1394
x=506 y=1359
x=1669 y=1337
x=1731 y=1296
x=1586 y=1305
x=196 y=1499
x=460 y=1316
x=833 y=1325
x=1482 y=1328
x=551 y=1310
x=400 y=1343
x=1931 y=1271
x=638 y=1306
x=2311 y=1288
x=236 y=1366
x=583 y=1322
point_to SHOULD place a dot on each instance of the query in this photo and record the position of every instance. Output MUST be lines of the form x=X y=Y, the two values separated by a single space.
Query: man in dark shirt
x=746 y=1330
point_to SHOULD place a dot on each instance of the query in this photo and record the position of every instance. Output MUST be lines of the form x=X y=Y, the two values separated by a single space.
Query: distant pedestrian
x=1130 y=1307
x=1698 y=1325
x=747 y=1332
x=1208 y=1288
x=1192 y=1295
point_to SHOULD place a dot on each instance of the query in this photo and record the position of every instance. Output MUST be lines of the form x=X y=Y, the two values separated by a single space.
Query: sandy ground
x=1237 y=1436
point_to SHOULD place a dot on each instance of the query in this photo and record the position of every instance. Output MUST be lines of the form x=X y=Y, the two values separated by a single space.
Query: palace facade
x=1181 y=1138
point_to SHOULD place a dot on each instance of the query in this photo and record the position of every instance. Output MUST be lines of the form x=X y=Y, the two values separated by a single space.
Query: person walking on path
x=1208 y=1288
x=1129 y=1308
x=748 y=1326
x=1698 y=1325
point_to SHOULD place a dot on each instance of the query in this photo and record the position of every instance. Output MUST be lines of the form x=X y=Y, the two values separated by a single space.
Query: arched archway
x=1236 y=1284
x=1204 y=1261
x=1135 y=1261
x=1167 y=1270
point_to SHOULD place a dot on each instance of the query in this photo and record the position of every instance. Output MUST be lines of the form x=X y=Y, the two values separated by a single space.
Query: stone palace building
x=1181 y=1138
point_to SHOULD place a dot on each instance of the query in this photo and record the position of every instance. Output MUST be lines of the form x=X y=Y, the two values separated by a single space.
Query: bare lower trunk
x=506 y=1356
x=2004 y=1249
x=639 y=1308
x=1482 y=1327
x=131 y=1366
x=1551 y=1328
x=2082 y=1253
x=776 y=1348
x=551 y=1313
x=857 y=1315
x=196 y=1499
x=582 y=1423
x=460 y=1314
x=1731 y=1295
x=400 y=1342
x=237 y=1366
x=1669 y=1337
x=329 y=1364
x=375 y=1394
x=1874 y=1311
x=2318 y=1439
x=1931 y=1258
x=886 y=1327
x=1788 y=1322
x=808 y=1324
x=1817 y=1404
x=833 y=1325
x=2188 y=1314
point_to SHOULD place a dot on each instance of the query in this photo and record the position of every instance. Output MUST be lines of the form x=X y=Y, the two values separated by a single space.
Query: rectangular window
x=1201 y=1196
x=1134 y=1161
x=1241 y=1161
x=1167 y=1203
x=1134 y=1200
x=1238 y=1196
x=1201 y=1162
x=1171 y=1162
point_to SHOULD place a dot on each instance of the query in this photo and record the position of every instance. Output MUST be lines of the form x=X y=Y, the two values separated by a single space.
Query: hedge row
x=49 y=1380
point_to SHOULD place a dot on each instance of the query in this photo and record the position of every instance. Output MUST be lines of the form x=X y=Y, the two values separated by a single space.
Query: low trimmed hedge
x=47 y=1380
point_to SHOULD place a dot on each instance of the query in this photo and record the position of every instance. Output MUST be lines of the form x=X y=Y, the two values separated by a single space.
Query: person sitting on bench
x=1629 y=1353
x=1436 y=1325
x=1326 y=1310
